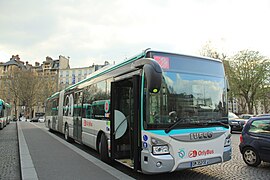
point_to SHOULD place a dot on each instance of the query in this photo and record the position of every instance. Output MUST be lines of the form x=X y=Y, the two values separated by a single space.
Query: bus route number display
x=164 y=62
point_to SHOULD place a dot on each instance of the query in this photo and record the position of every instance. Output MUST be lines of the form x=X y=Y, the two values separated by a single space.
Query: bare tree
x=23 y=87
x=48 y=86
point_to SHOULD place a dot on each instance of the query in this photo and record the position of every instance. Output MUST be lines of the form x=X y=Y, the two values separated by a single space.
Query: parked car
x=246 y=116
x=22 y=119
x=260 y=115
x=235 y=122
x=35 y=119
x=41 y=119
x=255 y=141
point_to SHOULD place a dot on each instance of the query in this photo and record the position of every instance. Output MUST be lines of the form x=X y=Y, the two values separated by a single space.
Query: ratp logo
x=192 y=153
x=68 y=105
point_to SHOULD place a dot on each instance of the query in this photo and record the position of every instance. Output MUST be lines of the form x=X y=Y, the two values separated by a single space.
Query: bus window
x=96 y=101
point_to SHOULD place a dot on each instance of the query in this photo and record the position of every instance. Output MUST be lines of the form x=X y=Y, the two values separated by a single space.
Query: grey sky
x=94 y=31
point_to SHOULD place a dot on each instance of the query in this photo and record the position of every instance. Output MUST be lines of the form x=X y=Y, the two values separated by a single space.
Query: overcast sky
x=94 y=31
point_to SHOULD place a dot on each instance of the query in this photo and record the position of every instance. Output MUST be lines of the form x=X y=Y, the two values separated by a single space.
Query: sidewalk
x=46 y=156
x=9 y=153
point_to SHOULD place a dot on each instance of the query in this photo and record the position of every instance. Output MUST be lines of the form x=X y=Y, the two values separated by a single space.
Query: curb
x=28 y=171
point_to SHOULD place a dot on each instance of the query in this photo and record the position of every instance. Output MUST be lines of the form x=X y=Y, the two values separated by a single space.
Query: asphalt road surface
x=233 y=169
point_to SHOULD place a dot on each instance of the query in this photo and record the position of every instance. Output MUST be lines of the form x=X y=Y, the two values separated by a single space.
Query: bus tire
x=103 y=149
x=66 y=133
x=49 y=126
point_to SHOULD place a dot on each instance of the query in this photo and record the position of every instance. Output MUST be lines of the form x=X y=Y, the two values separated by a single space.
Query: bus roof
x=110 y=68
x=188 y=55
x=107 y=69
x=100 y=72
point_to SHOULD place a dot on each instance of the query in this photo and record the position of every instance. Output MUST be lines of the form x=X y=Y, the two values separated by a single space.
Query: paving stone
x=9 y=153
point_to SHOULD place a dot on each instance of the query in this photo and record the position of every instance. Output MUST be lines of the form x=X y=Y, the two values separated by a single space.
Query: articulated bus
x=156 y=112
x=5 y=110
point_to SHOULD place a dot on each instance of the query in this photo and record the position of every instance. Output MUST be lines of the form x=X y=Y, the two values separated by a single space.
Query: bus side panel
x=61 y=125
x=91 y=128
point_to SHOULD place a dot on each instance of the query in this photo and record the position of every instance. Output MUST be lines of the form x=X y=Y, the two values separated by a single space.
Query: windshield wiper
x=173 y=125
x=218 y=123
x=205 y=124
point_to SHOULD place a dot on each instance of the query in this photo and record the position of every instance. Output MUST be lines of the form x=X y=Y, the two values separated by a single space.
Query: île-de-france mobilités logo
x=181 y=153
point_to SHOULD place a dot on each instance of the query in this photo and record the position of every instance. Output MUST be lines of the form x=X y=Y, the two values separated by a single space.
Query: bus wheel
x=49 y=125
x=103 y=149
x=67 y=138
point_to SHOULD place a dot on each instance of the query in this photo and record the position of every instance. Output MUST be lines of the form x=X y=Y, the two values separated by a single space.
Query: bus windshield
x=191 y=100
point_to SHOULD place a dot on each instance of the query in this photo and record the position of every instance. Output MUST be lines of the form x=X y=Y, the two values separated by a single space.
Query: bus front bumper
x=153 y=164
x=227 y=154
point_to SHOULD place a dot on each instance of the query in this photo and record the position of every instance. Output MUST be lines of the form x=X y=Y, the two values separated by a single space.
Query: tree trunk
x=15 y=108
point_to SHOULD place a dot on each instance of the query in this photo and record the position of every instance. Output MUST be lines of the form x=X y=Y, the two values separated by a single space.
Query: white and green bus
x=5 y=116
x=156 y=112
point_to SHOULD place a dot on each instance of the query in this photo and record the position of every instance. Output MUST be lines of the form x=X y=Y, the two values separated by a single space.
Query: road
x=233 y=169
x=54 y=158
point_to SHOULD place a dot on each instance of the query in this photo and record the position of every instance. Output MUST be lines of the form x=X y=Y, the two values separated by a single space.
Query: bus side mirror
x=153 y=73
x=153 y=78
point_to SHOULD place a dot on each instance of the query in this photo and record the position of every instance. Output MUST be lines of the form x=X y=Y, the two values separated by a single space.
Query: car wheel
x=251 y=157
x=103 y=149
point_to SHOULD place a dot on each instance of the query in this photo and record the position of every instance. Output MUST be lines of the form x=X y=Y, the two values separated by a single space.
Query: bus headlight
x=160 y=149
x=227 y=141
x=156 y=141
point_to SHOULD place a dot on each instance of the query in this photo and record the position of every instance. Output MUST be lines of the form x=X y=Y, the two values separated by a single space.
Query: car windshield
x=246 y=116
x=193 y=100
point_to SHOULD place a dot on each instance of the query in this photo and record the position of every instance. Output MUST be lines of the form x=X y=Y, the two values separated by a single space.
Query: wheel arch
x=98 y=139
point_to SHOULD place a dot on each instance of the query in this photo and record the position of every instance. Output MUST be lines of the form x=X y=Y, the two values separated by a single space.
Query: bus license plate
x=199 y=163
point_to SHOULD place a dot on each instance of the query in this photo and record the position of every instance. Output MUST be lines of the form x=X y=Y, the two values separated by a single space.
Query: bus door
x=125 y=131
x=77 y=116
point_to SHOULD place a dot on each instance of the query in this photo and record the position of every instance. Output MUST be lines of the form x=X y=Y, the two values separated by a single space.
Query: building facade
x=53 y=75
x=7 y=70
x=71 y=76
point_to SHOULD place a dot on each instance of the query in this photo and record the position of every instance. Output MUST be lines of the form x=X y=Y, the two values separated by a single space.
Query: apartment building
x=56 y=73
x=71 y=76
